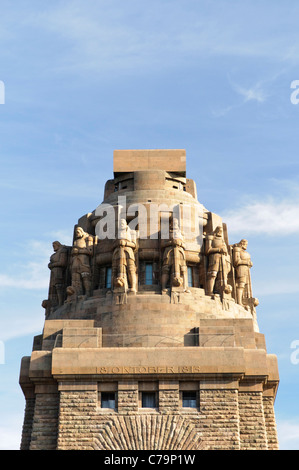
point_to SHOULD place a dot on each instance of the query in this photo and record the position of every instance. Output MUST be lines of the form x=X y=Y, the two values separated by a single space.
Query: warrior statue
x=123 y=260
x=242 y=264
x=174 y=266
x=57 y=265
x=80 y=263
x=219 y=261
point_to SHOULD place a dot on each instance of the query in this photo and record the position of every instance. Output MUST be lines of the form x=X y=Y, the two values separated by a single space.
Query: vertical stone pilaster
x=272 y=438
x=45 y=421
x=169 y=397
x=127 y=397
x=76 y=418
x=28 y=423
x=219 y=420
x=252 y=421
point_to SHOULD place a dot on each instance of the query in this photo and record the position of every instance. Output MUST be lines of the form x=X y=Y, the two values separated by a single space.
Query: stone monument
x=151 y=339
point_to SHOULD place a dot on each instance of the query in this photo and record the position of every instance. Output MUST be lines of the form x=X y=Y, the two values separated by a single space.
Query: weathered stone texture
x=219 y=419
x=272 y=439
x=169 y=401
x=45 y=422
x=28 y=422
x=252 y=421
x=76 y=413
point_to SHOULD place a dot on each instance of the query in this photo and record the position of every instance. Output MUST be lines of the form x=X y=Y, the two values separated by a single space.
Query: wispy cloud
x=271 y=217
x=254 y=93
x=31 y=271
x=288 y=434
x=10 y=435
x=100 y=36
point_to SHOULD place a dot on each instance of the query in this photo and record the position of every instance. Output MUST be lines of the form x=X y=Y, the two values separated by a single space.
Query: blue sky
x=83 y=78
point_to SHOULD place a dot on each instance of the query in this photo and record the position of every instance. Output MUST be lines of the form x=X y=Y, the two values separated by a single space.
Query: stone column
x=127 y=396
x=268 y=405
x=219 y=418
x=78 y=406
x=169 y=397
x=252 y=421
x=45 y=421
x=28 y=422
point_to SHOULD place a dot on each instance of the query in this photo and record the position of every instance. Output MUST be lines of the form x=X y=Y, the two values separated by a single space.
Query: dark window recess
x=108 y=400
x=148 y=274
x=190 y=276
x=149 y=400
x=189 y=399
x=108 y=279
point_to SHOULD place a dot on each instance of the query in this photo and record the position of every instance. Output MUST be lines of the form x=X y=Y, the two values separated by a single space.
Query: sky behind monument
x=82 y=78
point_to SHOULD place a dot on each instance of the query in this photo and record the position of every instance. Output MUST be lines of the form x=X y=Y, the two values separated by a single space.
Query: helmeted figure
x=219 y=262
x=123 y=260
x=80 y=263
x=57 y=265
x=242 y=264
x=174 y=268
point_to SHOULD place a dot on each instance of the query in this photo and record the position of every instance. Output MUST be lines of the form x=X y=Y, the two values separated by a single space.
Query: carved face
x=244 y=244
x=123 y=224
x=79 y=232
x=219 y=231
x=56 y=246
x=175 y=224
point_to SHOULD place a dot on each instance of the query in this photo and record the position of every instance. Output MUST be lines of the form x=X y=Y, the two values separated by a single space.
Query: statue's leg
x=211 y=278
x=165 y=277
x=240 y=290
x=76 y=282
x=60 y=293
x=86 y=279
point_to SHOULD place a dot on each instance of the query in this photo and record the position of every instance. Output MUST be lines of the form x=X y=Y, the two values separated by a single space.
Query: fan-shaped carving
x=147 y=432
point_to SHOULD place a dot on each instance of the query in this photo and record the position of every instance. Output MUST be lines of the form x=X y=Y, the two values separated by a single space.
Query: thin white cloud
x=31 y=272
x=10 y=435
x=254 y=93
x=269 y=217
x=275 y=286
x=288 y=434
x=107 y=35
x=29 y=321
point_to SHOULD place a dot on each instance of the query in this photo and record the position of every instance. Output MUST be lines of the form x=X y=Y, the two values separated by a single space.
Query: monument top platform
x=173 y=160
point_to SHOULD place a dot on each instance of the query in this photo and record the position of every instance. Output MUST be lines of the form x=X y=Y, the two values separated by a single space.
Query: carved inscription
x=148 y=370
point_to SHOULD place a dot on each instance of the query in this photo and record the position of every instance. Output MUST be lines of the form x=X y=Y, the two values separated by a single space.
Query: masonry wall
x=219 y=419
x=45 y=421
x=253 y=434
x=270 y=422
x=228 y=419
x=28 y=423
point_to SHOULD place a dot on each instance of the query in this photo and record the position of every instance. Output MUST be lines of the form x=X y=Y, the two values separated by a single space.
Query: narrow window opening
x=108 y=279
x=189 y=399
x=108 y=400
x=190 y=276
x=149 y=400
x=148 y=274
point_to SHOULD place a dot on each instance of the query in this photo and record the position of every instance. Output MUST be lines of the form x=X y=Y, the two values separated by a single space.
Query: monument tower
x=151 y=339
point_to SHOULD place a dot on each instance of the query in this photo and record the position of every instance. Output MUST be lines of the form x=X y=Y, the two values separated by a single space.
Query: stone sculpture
x=242 y=264
x=174 y=268
x=80 y=263
x=57 y=265
x=219 y=261
x=123 y=260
